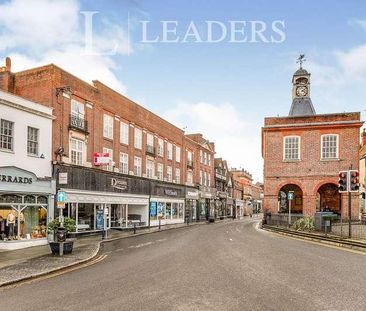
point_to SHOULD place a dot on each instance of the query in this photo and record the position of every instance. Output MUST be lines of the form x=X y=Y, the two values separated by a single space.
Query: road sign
x=290 y=195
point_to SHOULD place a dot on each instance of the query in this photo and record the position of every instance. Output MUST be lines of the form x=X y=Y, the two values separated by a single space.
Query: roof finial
x=301 y=59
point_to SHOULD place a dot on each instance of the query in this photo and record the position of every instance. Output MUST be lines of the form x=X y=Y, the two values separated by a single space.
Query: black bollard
x=134 y=228
x=159 y=223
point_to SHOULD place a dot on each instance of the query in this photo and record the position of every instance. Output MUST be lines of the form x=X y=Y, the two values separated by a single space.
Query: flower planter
x=68 y=247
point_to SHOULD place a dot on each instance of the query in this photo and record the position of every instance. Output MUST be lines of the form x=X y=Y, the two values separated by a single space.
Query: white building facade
x=26 y=187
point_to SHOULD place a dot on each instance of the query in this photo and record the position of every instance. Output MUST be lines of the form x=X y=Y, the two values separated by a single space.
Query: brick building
x=304 y=153
x=245 y=180
x=224 y=189
x=363 y=172
x=109 y=153
x=203 y=153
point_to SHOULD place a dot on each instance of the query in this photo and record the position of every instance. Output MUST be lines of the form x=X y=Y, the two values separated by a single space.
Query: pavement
x=231 y=265
x=22 y=264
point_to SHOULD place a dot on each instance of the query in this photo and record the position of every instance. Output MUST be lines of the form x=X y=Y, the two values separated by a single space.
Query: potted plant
x=59 y=235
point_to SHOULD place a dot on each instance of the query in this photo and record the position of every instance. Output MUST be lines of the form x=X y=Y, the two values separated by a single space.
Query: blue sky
x=223 y=90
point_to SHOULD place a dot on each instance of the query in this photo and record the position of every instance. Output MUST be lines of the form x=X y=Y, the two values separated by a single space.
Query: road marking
x=230 y=239
x=161 y=240
x=141 y=245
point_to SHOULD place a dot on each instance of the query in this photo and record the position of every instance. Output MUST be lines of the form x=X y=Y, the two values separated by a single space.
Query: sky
x=223 y=89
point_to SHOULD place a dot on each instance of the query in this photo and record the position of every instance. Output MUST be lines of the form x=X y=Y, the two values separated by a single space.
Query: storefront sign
x=101 y=158
x=171 y=192
x=62 y=178
x=16 y=179
x=119 y=183
x=192 y=195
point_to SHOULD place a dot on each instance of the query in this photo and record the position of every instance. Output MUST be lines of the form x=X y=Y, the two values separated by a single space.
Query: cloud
x=236 y=138
x=50 y=31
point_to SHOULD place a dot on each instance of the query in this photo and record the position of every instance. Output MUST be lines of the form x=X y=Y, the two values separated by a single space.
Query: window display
x=23 y=217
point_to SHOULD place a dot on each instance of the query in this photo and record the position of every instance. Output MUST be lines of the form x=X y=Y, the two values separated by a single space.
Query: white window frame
x=169 y=151
x=124 y=133
x=160 y=171
x=123 y=163
x=190 y=177
x=34 y=141
x=77 y=109
x=137 y=166
x=177 y=175
x=79 y=154
x=108 y=167
x=108 y=126
x=150 y=168
x=209 y=159
x=150 y=139
x=201 y=156
x=6 y=138
x=321 y=147
x=138 y=138
x=160 y=147
x=177 y=154
x=169 y=173
x=299 y=148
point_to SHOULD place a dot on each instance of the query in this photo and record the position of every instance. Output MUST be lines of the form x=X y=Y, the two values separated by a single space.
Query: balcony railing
x=150 y=150
x=78 y=123
x=190 y=164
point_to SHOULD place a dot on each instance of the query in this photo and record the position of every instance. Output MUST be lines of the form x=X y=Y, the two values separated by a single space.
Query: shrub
x=69 y=225
x=304 y=224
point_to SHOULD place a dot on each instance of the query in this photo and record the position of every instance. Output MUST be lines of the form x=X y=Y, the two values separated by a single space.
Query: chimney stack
x=363 y=135
x=8 y=64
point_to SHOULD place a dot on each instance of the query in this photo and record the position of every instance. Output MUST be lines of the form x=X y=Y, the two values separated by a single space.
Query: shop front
x=206 y=204
x=167 y=204
x=230 y=208
x=221 y=197
x=99 y=200
x=26 y=207
x=192 y=197
x=239 y=207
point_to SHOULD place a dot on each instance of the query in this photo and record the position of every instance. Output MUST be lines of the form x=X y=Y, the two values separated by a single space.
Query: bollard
x=159 y=223
x=134 y=228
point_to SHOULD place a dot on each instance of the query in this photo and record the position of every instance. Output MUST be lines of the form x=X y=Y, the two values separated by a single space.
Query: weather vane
x=301 y=59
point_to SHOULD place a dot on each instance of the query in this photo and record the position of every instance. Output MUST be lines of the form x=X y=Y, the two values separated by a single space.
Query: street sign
x=290 y=195
x=62 y=178
x=61 y=199
x=61 y=196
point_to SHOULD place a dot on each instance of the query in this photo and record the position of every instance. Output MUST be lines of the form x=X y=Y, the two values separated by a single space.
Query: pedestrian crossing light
x=343 y=181
x=354 y=184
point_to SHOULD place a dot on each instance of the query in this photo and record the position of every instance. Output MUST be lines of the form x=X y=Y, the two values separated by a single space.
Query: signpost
x=290 y=197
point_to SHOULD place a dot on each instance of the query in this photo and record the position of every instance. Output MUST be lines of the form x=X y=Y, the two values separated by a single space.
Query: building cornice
x=26 y=109
x=355 y=123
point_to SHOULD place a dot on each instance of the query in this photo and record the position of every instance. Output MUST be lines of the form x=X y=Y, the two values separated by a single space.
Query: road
x=224 y=266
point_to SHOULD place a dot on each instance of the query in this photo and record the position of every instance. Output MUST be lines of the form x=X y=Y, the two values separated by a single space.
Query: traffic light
x=343 y=181
x=354 y=183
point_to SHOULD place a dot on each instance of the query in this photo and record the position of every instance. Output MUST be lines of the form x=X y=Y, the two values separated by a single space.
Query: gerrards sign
x=16 y=179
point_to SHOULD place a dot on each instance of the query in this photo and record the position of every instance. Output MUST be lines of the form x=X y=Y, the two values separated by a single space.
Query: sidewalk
x=19 y=265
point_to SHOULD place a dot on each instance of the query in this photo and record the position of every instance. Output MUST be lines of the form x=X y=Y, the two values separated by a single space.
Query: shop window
x=180 y=210
x=161 y=210
x=175 y=210
x=168 y=211
x=42 y=200
x=153 y=211
x=85 y=216
x=29 y=199
x=10 y=198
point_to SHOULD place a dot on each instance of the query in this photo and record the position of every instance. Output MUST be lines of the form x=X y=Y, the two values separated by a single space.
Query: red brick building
x=113 y=153
x=304 y=153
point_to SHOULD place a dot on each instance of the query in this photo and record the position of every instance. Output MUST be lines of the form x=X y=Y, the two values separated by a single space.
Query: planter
x=67 y=246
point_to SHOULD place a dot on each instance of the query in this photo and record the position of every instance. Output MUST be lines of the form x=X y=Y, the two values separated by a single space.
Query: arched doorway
x=328 y=199
x=283 y=202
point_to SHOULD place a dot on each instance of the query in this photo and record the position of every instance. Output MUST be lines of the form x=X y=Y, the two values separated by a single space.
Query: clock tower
x=301 y=101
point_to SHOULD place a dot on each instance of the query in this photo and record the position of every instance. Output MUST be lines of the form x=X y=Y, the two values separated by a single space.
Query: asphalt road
x=225 y=266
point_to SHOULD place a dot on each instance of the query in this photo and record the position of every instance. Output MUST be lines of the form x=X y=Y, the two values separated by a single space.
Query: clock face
x=301 y=91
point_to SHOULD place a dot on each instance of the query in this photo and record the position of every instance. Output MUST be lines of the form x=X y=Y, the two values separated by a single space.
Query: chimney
x=363 y=135
x=6 y=77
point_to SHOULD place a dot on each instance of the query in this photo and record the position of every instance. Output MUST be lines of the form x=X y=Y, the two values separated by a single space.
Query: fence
x=282 y=220
x=339 y=227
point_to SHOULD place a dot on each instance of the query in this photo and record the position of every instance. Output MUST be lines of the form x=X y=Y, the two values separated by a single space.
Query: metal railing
x=150 y=150
x=282 y=220
x=78 y=123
